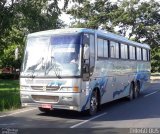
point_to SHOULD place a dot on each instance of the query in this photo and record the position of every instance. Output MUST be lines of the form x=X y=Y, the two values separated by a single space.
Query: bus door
x=88 y=56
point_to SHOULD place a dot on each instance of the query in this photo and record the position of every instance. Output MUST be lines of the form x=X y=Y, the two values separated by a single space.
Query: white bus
x=80 y=69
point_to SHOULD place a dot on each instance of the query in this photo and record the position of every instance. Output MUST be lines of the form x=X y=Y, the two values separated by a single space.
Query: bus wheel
x=131 y=92
x=136 y=90
x=93 y=103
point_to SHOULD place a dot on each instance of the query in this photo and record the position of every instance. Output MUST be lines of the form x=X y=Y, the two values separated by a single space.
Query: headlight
x=24 y=87
x=70 y=89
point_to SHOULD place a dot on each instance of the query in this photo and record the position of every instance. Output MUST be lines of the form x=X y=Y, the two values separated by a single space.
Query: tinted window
x=132 y=52
x=92 y=48
x=124 y=51
x=139 y=54
x=144 y=54
x=114 y=49
x=100 y=47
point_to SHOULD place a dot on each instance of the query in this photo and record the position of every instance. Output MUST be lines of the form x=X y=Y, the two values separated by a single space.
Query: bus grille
x=44 y=98
x=45 y=88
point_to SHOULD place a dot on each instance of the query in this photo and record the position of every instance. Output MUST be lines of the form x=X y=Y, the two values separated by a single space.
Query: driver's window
x=92 y=52
x=89 y=50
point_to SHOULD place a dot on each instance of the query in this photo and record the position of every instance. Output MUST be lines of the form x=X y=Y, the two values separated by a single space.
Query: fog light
x=24 y=96
x=24 y=104
x=24 y=87
x=67 y=98
x=71 y=107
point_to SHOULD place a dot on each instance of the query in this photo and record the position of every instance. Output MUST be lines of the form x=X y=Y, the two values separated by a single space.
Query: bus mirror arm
x=85 y=74
x=85 y=68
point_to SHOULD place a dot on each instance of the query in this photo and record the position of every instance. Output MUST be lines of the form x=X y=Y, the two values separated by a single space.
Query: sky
x=65 y=17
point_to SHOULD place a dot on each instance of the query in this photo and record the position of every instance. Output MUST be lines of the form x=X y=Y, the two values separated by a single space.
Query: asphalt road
x=143 y=112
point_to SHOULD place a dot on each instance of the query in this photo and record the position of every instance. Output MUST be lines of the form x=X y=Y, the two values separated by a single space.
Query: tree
x=41 y=15
x=93 y=14
x=20 y=17
x=6 y=20
x=139 y=20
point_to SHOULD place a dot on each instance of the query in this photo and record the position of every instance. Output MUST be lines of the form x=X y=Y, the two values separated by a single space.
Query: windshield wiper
x=32 y=76
x=36 y=67
x=54 y=66
x=56 y=70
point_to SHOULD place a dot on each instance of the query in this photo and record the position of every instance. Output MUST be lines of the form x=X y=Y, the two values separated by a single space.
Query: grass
x=9 y=95
x=11 y=85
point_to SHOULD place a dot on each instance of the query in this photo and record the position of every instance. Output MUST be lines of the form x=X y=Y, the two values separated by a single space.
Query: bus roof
x=102 y=33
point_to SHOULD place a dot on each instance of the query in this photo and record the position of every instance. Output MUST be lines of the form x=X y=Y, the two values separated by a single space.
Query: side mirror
x=86 y=52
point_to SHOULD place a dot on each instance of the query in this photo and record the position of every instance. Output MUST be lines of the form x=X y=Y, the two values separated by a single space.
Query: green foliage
x=13 y=41
x=9 y=76
x=155 y=62
x=18 y=18
x=9 y=88
x=142 y=20
x=11 y=102
x=11 y=85
x=6 y=21
x=93 y=14
x=37 y=15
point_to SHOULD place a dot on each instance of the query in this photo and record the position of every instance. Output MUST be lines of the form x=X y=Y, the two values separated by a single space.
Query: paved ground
x=143 y=112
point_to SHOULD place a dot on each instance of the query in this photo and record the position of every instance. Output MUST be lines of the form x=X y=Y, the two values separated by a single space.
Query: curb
x=155 y=78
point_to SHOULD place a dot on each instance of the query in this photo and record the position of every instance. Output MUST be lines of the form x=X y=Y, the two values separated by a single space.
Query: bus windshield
x=56 y=55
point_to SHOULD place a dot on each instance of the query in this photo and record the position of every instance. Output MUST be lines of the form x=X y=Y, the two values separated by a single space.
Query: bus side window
x=100 y=47
x=139 y=53
x=132 y=53
x=114 y=49
x=124 y=51
x=144 y=54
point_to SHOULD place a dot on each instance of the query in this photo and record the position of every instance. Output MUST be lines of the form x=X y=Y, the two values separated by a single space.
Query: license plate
x=48 y=106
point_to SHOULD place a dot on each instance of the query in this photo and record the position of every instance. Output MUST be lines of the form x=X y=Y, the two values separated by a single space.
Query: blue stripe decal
x=120 y=91
x=88 y=98
x=101 y=84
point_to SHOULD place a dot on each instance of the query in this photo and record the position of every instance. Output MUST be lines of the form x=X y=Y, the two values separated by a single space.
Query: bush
x=9 y=100
x=9 y=76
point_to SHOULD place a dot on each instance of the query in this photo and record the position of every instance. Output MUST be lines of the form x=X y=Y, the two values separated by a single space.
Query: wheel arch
x=138 y=83
x=98 y=96
x=133 y=83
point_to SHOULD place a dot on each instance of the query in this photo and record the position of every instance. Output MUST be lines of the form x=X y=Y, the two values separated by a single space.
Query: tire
x=93 y=103
x=131 y=92
x=136 y=90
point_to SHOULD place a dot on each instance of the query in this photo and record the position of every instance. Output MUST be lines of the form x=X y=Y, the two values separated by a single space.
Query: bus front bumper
x=69 y=101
